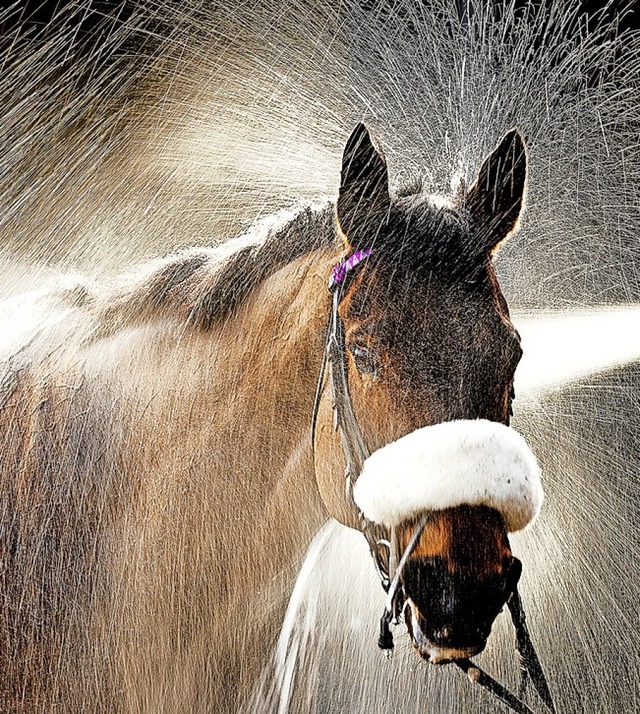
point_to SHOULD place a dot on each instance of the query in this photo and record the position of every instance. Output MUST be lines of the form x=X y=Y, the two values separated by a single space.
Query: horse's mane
x=202 y=286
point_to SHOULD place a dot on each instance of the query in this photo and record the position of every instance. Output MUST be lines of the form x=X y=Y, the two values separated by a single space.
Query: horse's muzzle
x=443 y=645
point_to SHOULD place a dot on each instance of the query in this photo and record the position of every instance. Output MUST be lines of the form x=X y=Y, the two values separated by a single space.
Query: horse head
x=428 y=354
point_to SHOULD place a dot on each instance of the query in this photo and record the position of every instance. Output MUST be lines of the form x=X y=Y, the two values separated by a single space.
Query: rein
x=382 y=543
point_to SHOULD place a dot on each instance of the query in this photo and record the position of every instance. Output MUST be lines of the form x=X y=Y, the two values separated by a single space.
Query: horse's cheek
x=329 y=463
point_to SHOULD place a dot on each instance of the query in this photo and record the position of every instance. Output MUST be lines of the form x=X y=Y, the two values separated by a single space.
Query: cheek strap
x=354 y=447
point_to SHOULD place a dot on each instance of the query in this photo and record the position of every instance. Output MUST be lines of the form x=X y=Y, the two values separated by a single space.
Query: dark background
x=95 y=20
x=87 y=87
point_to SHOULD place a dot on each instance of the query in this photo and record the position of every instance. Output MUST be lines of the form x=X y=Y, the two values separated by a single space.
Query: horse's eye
x=364 y=359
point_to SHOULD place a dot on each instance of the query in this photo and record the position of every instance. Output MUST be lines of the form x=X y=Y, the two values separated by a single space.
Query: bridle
x=344 y=419
x=389 y=563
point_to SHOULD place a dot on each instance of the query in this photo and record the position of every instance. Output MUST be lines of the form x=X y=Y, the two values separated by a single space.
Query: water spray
x=152 y=128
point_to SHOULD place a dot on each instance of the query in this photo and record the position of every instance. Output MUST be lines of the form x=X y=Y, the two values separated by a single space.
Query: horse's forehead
x=422 y=299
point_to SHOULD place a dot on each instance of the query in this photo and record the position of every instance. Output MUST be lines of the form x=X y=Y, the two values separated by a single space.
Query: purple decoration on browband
x=341 y=270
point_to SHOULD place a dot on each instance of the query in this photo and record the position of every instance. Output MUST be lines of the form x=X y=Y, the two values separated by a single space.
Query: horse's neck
x=230 y=433
x=216 y=441
x=276 y=343
x=271 y=354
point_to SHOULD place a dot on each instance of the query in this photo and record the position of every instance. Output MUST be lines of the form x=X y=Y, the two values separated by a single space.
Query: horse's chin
x=433 y=653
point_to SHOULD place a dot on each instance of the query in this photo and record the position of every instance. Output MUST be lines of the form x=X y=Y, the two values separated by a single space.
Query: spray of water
x=560 y=350
x=136 y=129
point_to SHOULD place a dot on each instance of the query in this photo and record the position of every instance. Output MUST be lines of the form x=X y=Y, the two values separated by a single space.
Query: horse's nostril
x=445 y=633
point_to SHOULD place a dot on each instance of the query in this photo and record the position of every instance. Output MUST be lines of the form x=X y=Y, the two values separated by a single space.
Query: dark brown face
x=427 y=328
x=436 y=353
x=451 y=356
x=428 y=340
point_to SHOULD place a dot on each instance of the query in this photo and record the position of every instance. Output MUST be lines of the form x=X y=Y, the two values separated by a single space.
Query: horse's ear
x=363 y=201
x=495 y=199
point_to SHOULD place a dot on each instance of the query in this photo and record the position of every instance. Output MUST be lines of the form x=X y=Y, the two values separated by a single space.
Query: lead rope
x=356 y=452
x=530 y=666
x=479 y=676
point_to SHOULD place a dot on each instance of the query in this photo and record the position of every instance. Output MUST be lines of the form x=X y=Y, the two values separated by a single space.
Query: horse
x=160 y=478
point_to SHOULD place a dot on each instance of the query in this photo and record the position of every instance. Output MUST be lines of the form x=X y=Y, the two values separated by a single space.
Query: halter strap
x=344 y=419
x=339 y=274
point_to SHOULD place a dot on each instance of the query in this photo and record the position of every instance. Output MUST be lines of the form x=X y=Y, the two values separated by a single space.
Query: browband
x=342 y=269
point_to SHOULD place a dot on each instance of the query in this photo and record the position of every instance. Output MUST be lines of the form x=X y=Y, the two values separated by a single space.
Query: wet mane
x=201 y=287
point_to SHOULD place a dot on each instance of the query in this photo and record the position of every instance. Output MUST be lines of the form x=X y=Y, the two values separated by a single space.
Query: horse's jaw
x=433 y=653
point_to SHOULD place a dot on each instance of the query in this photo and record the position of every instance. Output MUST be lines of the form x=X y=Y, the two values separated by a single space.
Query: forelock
x=430 y=234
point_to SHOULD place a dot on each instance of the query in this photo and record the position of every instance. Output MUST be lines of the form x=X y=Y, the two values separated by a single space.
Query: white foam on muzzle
x=474 y=462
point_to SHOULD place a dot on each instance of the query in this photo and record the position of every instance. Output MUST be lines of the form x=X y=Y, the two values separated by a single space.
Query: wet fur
x=119 y=488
